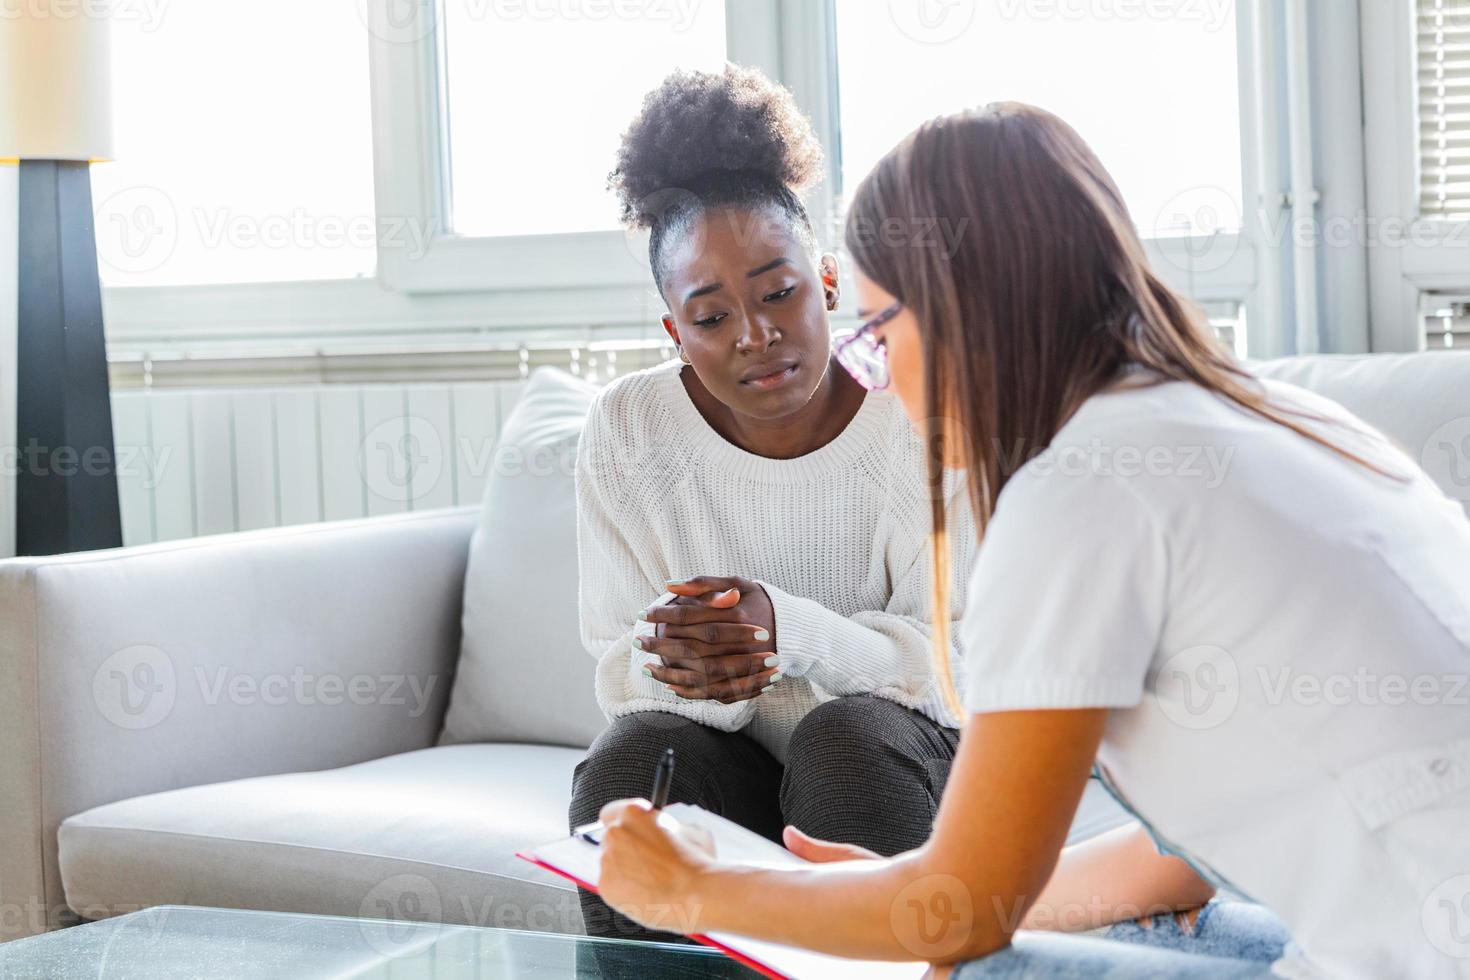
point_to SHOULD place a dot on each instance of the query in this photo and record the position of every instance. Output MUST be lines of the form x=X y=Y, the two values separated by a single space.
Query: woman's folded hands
x=716 y=641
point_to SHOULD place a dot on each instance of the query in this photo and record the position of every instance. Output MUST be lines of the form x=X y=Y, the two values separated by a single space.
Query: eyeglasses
x=863 y=356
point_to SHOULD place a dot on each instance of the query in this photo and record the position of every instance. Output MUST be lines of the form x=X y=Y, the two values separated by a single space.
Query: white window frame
x=413 y=183
x=519 y=287
x=1434 y=255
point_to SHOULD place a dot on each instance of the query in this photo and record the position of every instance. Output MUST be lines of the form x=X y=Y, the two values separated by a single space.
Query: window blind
x=1444 y=108
x=1446 y=321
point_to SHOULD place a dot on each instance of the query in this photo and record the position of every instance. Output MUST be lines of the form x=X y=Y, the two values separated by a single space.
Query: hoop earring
x=684 y=357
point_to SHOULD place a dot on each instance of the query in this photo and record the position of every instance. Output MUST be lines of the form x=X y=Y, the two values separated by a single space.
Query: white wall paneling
x=211 y=461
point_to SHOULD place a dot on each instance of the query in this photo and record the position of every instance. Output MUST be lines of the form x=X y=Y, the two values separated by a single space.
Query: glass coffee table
x=191 y=942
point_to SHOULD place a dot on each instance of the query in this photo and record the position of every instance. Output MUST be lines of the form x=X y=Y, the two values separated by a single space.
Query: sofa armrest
x=138 y=670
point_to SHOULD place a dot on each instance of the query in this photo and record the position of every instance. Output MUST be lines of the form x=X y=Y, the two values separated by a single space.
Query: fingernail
x=676 y=581
x=761 y=635
x=772 y=660
x=775 y=677
x=647 y=671
x=638 y=642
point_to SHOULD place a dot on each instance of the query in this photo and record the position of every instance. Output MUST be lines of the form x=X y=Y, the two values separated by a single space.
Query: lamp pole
x=55 y=119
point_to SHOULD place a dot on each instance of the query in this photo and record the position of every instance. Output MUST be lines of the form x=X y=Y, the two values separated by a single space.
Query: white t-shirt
x=1285 y=638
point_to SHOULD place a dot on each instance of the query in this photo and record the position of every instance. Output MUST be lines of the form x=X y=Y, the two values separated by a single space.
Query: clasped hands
x=716 y=641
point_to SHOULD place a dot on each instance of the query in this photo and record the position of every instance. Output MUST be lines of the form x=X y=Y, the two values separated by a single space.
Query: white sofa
x=243 y=768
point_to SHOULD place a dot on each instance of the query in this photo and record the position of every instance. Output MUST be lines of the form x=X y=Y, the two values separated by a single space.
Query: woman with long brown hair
x=1168 y=547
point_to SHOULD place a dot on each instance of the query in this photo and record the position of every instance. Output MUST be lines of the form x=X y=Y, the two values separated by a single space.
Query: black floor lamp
x=56 y=120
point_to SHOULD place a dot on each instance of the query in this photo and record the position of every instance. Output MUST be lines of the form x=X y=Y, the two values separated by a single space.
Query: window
x=1416 y=90
x=1444 y=108
x=1446 y=322
x=531 y=138
x=243 y=145
x=1162 y=110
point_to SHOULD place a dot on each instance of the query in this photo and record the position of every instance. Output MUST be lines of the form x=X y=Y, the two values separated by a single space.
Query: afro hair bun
x=698 y=126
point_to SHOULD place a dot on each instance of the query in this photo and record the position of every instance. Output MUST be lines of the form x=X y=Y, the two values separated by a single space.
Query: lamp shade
x=55 y=82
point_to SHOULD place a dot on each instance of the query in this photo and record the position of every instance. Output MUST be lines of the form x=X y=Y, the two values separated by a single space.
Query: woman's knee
x=850 y=771
x=848 y=731
x=621 y=760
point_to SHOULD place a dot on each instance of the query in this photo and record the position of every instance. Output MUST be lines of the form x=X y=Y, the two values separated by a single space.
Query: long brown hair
x=1002 y=233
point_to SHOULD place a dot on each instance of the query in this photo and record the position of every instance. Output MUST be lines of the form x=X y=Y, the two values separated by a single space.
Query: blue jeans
x=1229 y=940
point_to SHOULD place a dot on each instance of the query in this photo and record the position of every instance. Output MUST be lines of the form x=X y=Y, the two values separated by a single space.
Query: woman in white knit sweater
x=776 y=507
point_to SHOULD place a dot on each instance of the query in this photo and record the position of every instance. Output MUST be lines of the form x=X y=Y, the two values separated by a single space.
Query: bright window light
x=1153 y=87
x=539 y=91
x=243 y=144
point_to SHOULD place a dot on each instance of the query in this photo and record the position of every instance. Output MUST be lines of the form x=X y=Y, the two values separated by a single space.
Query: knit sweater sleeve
x=618 y=563
x=884 y=652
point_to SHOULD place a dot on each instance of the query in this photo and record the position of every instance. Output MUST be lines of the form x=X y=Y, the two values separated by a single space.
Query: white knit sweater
x=838 y=538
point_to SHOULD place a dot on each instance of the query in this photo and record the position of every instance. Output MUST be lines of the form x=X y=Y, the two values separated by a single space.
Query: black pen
x=663 y=778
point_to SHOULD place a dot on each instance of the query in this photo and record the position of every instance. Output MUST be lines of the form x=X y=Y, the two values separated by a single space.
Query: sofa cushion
x=523 y=674
x=1420 y=401
x=428 y=835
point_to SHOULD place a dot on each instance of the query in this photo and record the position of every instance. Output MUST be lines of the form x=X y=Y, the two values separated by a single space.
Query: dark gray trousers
x=860 y=770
